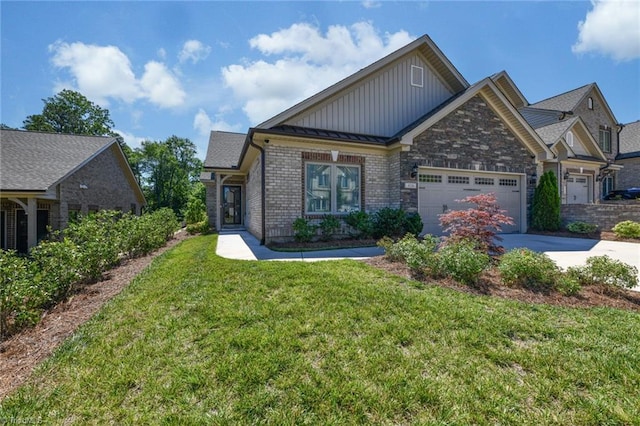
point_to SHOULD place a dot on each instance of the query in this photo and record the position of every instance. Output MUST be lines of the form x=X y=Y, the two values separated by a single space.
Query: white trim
x=417 y=76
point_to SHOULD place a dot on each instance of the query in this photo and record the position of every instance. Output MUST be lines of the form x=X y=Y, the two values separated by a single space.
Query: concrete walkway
x=239 y=244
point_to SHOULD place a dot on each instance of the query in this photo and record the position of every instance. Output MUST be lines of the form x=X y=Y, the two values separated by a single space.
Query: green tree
x=545 y=213
x=168 y=171
x=71 y=112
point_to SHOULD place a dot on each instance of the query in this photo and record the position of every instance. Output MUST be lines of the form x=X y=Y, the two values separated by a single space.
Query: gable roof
x=630 y=140
x=36 y=161
x=496 y=99
x=554 y=134
x=509 y=89
x=225 y=149
x=566 y=101
x=434 y=56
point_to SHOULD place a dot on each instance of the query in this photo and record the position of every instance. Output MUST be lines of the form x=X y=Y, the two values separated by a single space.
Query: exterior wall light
x=414 y=171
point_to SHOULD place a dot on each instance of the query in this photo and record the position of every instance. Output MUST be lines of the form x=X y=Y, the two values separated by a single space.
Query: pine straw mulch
x=489 y=284
x=23 y=351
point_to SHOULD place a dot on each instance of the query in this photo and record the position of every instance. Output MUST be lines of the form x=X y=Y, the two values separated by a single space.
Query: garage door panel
x=439 y=190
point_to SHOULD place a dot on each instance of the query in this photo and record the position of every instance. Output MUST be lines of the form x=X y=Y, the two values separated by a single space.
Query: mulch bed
x=22 y=352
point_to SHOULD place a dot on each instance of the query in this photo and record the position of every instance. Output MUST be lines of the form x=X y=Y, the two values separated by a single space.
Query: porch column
x=219 y=201
x=32 y=222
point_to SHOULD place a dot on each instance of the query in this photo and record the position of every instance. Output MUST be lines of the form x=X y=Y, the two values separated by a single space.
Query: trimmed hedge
x=78 y=255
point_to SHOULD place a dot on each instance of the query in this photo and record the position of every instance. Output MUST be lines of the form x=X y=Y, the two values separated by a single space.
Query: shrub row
x=385 y=222
x=520 y=267
x=80 y=254
x=625 y=229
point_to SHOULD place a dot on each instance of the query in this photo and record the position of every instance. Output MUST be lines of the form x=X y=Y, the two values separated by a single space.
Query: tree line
x=168 y=171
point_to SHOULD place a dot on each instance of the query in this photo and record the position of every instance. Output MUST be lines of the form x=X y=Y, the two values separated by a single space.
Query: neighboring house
x=407 y=131
x=48 y=179
x=629 y=157
x=586 y=173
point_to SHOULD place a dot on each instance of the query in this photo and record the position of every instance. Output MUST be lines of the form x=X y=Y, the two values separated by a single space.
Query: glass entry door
x=232 y=205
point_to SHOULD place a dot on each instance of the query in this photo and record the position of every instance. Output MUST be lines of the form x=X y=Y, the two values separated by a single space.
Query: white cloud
x=194 y=50
x=160 y=86
x=204 y=125
x=611 y=28
x=371 y=4
x=308 y=62
x=104 y=72
x=130 y=139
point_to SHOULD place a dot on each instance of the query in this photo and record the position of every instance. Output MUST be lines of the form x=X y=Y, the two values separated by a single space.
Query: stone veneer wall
x=629 y=176
x=606 y=215
x=595 y=118
x=107 y=188
x=285 y=181
x=471 y=135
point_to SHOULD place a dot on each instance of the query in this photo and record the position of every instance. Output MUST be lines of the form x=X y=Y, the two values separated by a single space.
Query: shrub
x=361 y=222
x=388 y=222
x=303 y=230
x=395 y=223
x=199 y=227
x=462 y=262
x=420 y=256
x=545 y=209
x=627 y=229
x=328 y=227
x=605 y=271
x=526 y=268
x=18 y=294
x=582 y=227
x=567 y=284
x=478 y=225
x=57 y=267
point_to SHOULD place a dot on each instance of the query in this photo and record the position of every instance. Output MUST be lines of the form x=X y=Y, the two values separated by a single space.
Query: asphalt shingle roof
x=630 y=138
x=34 y=161
x=224 y=149
x=565 y=101
x=551 y=133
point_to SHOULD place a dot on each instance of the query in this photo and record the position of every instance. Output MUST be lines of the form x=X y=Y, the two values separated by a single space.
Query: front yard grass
x=197 y=339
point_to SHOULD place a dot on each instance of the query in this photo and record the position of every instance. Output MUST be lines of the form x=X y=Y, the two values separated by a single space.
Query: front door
x=22 y=230
x=231 y=205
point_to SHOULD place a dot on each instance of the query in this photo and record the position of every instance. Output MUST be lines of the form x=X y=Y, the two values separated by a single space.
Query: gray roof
x=565 y=101
x=35 y=161
x=224 y=149
x=630 y=140
x=551 y=133
x=538 y=117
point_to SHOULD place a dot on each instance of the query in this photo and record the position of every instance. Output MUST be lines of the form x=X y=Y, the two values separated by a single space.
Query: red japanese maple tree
x=479 y=224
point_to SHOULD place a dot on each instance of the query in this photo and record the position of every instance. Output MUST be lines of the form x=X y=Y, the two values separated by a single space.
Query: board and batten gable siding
x=382 y=104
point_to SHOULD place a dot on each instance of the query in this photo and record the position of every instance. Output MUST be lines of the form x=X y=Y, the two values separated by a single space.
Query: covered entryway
x=577 y=189
x=439 y=188
x=231 y=205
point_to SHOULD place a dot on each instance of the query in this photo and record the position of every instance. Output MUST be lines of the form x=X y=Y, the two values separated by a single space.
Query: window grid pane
x=318 y=190
x=332 y=188
x=347 y=189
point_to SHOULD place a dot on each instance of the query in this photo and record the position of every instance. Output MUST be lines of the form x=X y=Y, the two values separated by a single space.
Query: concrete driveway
x=575 y=251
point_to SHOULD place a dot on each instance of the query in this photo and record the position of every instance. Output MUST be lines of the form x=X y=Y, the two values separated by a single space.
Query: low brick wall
x=606 y=215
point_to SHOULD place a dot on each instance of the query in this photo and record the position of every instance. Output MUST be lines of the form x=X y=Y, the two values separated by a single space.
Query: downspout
x=263 y=187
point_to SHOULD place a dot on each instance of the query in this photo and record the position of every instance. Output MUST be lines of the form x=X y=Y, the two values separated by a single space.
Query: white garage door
x=438 y=189
x=577 y=189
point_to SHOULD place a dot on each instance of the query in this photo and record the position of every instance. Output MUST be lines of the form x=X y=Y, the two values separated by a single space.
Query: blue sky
x=186 y=68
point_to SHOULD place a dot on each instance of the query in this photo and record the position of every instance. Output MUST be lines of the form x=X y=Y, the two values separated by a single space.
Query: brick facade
x=629 y=176
x=284 y=184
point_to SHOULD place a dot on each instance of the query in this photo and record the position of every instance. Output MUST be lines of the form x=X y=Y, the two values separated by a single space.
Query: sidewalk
x=239 y=244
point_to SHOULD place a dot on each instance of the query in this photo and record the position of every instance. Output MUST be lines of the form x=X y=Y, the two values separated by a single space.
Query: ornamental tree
x=478 y=225
x=545 y=211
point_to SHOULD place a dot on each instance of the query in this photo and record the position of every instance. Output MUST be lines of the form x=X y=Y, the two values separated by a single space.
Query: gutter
x=262 y=184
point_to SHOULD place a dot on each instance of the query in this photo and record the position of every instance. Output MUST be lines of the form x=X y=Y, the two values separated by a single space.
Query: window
x=430 y=178
x=607 y=185
x=590 y=103
x=483 y=181
x=417 y=76
x=508 y=182
x=332 y=188
x=605 y=139
x=569 y=139
x=464 y=180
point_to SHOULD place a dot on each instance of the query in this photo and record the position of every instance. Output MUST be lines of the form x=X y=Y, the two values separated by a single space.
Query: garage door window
x=462 y=180
x=430 y=178
x=332 y=188
x=484 y=181
x=508 y=182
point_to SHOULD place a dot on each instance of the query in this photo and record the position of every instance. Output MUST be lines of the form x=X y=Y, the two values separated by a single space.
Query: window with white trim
x=605 y=139
x=417 y=76
x=332 y=188
x=569 y=139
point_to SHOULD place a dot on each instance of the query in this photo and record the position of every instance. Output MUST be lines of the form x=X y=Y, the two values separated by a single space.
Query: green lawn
x=197 y=339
